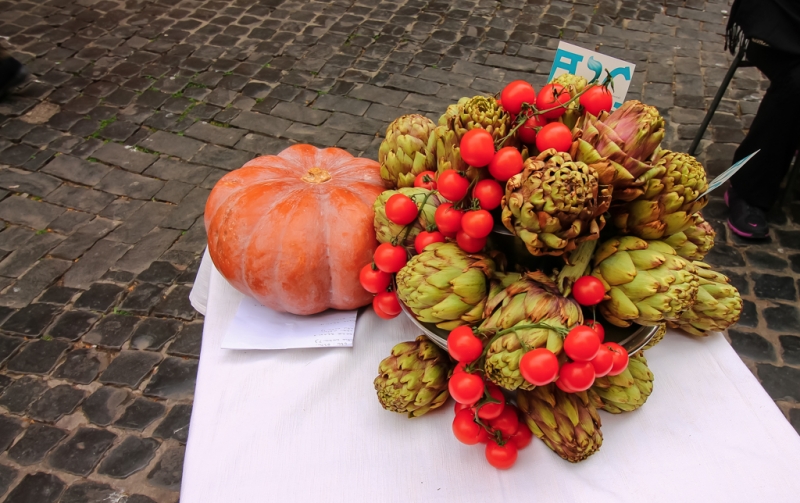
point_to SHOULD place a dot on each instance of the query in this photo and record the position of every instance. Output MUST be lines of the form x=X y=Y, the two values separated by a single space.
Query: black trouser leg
x=775 y=129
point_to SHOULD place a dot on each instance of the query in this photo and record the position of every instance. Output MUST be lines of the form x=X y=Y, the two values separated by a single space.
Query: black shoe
x=744 y=219
x=12 y=74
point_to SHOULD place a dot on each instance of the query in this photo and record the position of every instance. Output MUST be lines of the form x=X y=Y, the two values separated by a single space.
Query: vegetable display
x=525 y=225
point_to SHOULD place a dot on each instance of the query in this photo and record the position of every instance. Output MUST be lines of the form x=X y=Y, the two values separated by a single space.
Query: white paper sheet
x=258 y=327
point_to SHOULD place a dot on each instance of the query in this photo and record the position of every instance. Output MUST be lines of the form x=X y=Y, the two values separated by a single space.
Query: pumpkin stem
x=316 y=175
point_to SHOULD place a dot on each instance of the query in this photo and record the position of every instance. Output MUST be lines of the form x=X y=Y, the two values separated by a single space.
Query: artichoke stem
x=577 y=266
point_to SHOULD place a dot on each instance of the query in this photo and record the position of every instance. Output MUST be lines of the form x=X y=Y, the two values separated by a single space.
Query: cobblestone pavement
x=136 y=108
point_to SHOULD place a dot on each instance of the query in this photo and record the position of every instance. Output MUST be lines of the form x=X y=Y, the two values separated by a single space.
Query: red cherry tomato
x=477 y=224
x=515 y=94
x=401 y=210
x=620 y=358
x=603 y=361
x=468 y=243
x=523 y=437
x=581 y=343
x=563 y=386
x=506 y=163
x=388 y=303
x=578 y=376
x=477 y=148
x=463 y=345
x=527 y=132
x=539 y=366
x=466 y=430
x=448 y=219
x=380 y=312
x=425 y=180
x=597 y=99
x=425 y=238
x=550 y=97
x=507 y=422
x=466 y=388
x=463 y=406
x=452 y=184
x=492 y=410
x=554 y=135
x=501 y=457
x=588 y=291
x=373 y=279
x=489 y=194
x=598 y=328
x=460 y=366
x=390 y=258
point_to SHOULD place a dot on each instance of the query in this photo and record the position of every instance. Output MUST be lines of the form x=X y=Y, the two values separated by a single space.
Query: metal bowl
x=632 y=338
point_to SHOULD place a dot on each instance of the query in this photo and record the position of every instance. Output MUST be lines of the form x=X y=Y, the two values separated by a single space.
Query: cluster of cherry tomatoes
x=541 y=128
x=493 y=422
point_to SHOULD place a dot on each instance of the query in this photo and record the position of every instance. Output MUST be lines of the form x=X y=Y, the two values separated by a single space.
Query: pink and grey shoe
x=744 y=219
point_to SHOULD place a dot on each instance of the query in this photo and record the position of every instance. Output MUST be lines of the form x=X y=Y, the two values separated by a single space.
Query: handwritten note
x=258 y=327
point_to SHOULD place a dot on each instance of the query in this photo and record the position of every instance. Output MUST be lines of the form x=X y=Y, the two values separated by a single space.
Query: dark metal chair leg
x=714 y=104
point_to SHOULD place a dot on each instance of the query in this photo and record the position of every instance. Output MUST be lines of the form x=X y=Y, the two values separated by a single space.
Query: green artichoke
x=625 y=392
x=482 y=112
x=694 y=242
x=534 y=298
x=413 y=379
x=567 y=422
x=717 y=307
x=554 y=204
x=386 y=230
x=446 y=285
x=573 y=84
x=451 y=112
x=646 y=282
x=626 y=139
x=670 y=198
x=407 y=150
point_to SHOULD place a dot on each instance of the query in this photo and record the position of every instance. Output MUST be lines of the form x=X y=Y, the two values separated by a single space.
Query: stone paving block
x=82 y=366
x=340 y=104
x=130 y=368
x=112 y=331
x=121 y=209
x=192 y=206
x=83 y=239
x=413 y=85
x=225 y=136
x=80 y=454
x=159 y=272
x=37 y=357
x=30 y=320
x=103 y=406
x=9 y=429
x=153 y=333
x=167 y=472
x=129 y=457
x=221 y=157
x=176 y=424
x=76 y=170
x=80 y=198
x=174 y=378
x=174 y=169
x=8 y=345
x=72 y=325
x=58 y=295
x=99 y=297
x=126 y=158
x=147 y=218
x=21 y=181
x=140 y=414
x=263 y=145
x=7 y=476
x=173 y=191
x=21 y=393
x=176 y=304
x=89 y=492
x=24 y=211
x=147 y=249
x=27 y=253
x=37 y=487
x=31 y=284
x=56 y=402
x=38 y=440
x=261 y=123
x=130 y=185
x=94 y=263
x=172 y=144
x=143 y=297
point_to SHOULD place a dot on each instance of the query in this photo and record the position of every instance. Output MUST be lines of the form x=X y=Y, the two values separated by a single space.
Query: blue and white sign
x=592 y=65
x=727 y=174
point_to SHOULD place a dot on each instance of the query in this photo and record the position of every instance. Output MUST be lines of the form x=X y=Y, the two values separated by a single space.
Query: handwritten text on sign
x=593 y=65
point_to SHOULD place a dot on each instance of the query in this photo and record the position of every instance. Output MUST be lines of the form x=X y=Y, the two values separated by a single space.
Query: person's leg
x=774 y=131
x=12 y=73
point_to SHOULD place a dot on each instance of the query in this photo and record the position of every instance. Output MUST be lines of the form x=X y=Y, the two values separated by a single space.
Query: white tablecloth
x=305 y=425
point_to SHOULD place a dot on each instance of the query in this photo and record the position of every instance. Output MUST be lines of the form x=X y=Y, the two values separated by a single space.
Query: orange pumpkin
x=294 y=230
